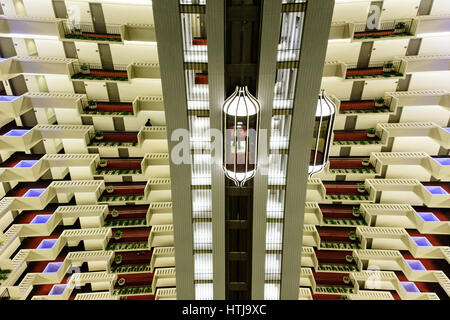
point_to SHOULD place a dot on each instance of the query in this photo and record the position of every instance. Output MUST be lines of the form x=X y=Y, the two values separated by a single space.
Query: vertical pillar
x=170 y=52
x=312 y=55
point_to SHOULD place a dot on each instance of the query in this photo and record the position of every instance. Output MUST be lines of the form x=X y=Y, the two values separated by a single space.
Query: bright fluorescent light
x=346 y=40
x=33 y=36
x=433 y=34
x=140 y=43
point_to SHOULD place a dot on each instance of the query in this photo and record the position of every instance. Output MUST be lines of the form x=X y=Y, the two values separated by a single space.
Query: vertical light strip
x=195 y=52
x=284 y=90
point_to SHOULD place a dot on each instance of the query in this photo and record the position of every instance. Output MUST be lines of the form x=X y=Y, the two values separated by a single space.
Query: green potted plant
x=371 y=132
x=109 y=189
x=388 y=66
x=92 y=104
x=356 y=212
x=365 y=162
x=379 y=102
x=103 y=163
x=85 y=69
x=361 y=187
x=98 y=135
x=118 y=235
x=400 y=27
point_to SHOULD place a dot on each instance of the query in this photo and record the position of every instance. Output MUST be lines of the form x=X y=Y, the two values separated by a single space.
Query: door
x=97 y=17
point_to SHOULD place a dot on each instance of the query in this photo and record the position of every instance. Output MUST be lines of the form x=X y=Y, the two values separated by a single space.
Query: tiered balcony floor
x=121 y=166
x=116 y=139
x=111 y=108
x=98 y=74
x=372 y=72
x=133 y=261
x=361 y=106
x=94 y=36
x=340 y=215
x=380 y=34
x=21 y=188
x=350 y=165
x=354 y=137
x=337 y=238
x=333 y=260
x=442 y=214
x=126 y=191
x=344 y=191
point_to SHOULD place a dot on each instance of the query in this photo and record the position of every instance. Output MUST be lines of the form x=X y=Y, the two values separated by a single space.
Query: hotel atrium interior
x=224 y=149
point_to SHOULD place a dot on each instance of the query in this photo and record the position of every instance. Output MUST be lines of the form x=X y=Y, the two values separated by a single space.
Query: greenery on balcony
x=347 y=197
x=334 y=289
x=336 y=267
x=108 y=113
x=356 y=142
x=83 y=76
x=369 y=170
x=131 y=268
x=109 y=172
x=132 y=290
x=339 y=245
x=4 y=274
x=112 y=144
x=94 y=37
x=372 y=110
x=106 y=198
x=126 y=222
x=123 y=246
x=344 y=222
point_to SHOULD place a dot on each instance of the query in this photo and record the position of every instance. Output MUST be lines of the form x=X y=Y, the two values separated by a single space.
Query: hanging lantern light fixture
x=240 y=119
x=323 y=128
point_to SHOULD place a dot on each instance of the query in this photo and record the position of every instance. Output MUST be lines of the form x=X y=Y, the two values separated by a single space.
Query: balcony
x=133 y=284
x=86 y=32
x=92 y=107
x=356 y=137
x=127 y=216
x=378 y=70
x=132 y=261
x=114 y=139
x=123 y=192
x=346 y=191
x=91 y=71
x=351 y=165
x=336 y=261
x=387 y=30
x=129 y=239
x=338 y=215
x=114 y=166
x=377 y=105
x=338 y=238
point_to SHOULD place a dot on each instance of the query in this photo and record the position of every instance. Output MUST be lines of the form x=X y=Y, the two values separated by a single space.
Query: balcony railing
x=95 y=71
x=378 y=69
x=86 y=31
x=386 y=29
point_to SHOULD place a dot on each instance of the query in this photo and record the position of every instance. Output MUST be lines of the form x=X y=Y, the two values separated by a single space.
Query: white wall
x=430 y=80
x=377 y=88
x=340 y=88
x=354 y=11
x=412 y=144
x=440 y=7
x=395 y=9
x=435 y=45
x=388 y=49
x=8 y=8
x=139 y=87
x=39 y=8
x=20 y=46
x=119 y=14
x=57 y=83
x=50 y=48
x=88 y=52
x=96 y=90
x=126 y=54
x=436 y=114
x=345 y=52
x=82 y=8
